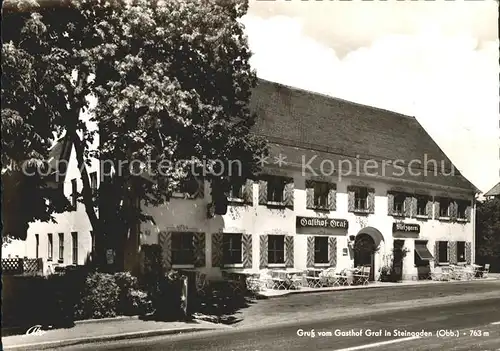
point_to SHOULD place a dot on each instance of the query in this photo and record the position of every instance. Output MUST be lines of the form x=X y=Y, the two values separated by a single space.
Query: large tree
x=172 y=84
x=488 y=232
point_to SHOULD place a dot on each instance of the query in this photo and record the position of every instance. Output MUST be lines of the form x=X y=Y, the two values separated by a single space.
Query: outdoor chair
x=486 y=270
x=279 y=280
x=363 y=277
x=235 y=285
x=313 y=280
x=297 y=280
x=201 y=284
x=254 y=283
x=330 y=277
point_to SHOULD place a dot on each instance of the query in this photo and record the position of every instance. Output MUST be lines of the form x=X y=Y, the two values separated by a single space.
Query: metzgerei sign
x=408 y=228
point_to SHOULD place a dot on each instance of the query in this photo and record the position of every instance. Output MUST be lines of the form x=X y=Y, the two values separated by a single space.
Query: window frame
x=458 y=252
x=421 y=199
x=441 y=207
x=443 y=252
x=74 y=193
x=280 y=183
x=360 y=199
x=464 y=204
x=74 y=247
x=93 y=182
x=399 y=196
x=240 y=196
x=61 y=247
x=317 y=260
x=229 y=248
x=50 y=247
x=37 y=245
x=321 y=191
x=181 y=251
x=274 y=252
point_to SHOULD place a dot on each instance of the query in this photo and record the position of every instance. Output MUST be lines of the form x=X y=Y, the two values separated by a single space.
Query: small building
x=344 y=185
x=493 y=192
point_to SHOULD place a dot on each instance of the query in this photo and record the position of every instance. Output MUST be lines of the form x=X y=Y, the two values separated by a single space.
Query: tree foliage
x=172 y=84
x=488 y=229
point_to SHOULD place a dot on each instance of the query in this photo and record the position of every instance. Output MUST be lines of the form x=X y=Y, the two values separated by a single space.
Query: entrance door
x=398 y=259
x=364 y=253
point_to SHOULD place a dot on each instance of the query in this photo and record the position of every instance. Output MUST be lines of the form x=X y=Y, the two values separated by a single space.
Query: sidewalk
x=269 y=293
x=108 y=329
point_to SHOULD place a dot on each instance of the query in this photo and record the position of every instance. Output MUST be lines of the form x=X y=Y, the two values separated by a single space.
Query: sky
x=437 y=61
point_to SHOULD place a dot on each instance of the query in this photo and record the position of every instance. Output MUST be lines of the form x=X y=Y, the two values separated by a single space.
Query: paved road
x=472 y=321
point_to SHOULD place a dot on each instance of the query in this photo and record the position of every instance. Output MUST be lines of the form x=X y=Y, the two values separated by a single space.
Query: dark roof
x=495 y=191
x=310 y=121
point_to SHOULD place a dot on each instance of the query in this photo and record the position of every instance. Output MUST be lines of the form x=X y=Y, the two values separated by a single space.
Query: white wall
x=258 y=219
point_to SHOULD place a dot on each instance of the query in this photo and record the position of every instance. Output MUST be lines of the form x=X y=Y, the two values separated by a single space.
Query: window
x=360 y=198
x=232 y=248
x=276 y=249
x=275 y=189
x=320 y=249
x=460 y=251
x=93 y=182
x=461 y=209
x=444 y=208
x=74 y=193
x=236 y=190
x=50 y=247
x=421 y=206
x=61 y=247
x=443 y=252
x=321 y=190
x=74 y=246
x=37 y=245
x=399 y=204
x=182 y=248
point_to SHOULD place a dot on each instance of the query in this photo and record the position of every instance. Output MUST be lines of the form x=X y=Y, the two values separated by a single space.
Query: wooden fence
x=22 y=266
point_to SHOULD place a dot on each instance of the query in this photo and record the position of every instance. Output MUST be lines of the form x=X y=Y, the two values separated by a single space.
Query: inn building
x=344 y=185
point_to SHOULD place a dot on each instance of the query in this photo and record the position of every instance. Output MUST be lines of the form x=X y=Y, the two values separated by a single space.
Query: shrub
x=131 y=300
x=100 y=297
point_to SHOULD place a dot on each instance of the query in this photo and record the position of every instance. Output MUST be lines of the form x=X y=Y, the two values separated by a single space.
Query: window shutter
x=310 y=251
x=309 y=194
x=262 y=192
x=332 y=251
x=248 y=192
x=390 y=204
x=468 y=252
x=414 y=204
x=452 y=252
x=436 y=251
x=247 y=250
x=263 y=251
x=201 y=188
x=468 y=213
x=217 y=250
x=199 y=249
x=428 y=208
x=453 y=209
x=288 y=197
x=407 y=204
x=289 y=250
x=350 y=201
x=332 y=197
x=436 y=208
x=371 y=200
x=165 y=241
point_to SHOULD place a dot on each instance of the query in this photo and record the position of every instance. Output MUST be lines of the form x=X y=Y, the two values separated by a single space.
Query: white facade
x=190 y=215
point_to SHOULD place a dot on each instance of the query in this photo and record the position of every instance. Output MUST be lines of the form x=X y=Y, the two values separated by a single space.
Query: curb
x=358 y=287
x=115 y=337
x=104 y=320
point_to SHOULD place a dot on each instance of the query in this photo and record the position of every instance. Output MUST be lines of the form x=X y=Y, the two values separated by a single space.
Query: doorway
x=398 y=259
x=364 y=253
